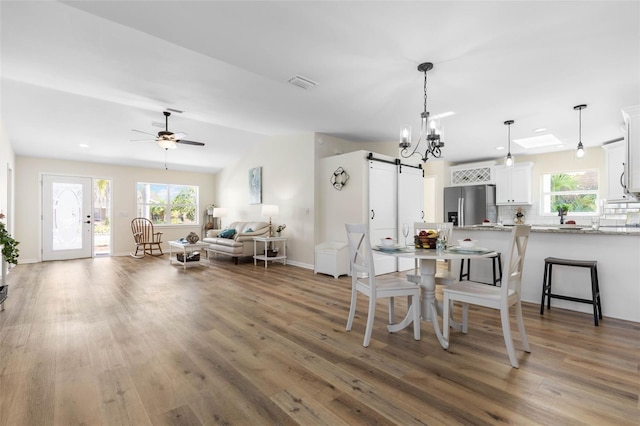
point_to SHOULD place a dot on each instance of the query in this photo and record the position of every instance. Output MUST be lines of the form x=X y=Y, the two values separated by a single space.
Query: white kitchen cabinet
x=631 y=117
x=513 y=184
x=616 y=158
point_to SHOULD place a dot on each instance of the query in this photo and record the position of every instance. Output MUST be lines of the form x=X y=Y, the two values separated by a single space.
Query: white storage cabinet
x=332 y=258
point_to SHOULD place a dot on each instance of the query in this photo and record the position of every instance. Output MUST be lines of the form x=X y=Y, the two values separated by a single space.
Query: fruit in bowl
x=387 y=242
x=570 y=222
x=467 y=243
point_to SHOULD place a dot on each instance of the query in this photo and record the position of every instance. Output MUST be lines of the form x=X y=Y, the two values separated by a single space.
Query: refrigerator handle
x=460 y=211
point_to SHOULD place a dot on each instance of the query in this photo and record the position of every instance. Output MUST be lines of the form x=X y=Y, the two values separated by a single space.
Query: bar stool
x=595 y=287
x=497 y=277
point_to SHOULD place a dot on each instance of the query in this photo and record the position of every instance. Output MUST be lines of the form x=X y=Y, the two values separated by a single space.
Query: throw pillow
x=227 y=233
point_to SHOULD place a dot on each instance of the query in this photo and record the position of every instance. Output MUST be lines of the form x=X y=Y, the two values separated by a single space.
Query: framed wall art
x=255 y=185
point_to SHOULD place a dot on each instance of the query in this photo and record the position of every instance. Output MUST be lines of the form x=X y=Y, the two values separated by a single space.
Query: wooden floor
x=123 y=341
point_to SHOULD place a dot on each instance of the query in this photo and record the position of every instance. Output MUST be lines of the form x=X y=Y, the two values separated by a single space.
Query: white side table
x=185 y=249
x=282 y=249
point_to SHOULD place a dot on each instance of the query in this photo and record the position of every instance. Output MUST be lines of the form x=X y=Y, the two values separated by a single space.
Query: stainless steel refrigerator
x=470 y=205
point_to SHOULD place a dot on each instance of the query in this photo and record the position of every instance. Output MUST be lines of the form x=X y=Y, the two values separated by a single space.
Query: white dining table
x=427 y=259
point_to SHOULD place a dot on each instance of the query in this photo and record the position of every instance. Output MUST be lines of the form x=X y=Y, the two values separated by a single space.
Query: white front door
x=67 y=228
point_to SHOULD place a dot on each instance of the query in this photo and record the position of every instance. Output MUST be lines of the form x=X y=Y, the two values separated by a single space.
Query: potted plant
x=9 y=254
x=10 y=250
x=279 y=229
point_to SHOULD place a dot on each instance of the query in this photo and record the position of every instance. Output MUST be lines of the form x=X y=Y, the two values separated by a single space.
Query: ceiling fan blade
x=140 y=140
x=190 y=142
x=146 y=133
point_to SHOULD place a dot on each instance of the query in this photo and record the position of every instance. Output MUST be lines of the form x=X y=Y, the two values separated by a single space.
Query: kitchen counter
x=633 y=231
x=615 y=249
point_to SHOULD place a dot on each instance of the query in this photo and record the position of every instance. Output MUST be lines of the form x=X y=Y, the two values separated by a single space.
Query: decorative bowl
x=425 y=242
x=467 y=243
x=387 y=242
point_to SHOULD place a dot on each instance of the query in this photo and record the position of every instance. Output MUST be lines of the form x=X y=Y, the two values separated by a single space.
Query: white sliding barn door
x=382 y=210
x=410 y=206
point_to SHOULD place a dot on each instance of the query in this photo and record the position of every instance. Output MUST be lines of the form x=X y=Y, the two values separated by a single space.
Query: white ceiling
x=91 y=71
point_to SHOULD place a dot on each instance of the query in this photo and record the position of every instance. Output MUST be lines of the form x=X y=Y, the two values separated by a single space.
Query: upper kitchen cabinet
x=631 y=117
x=616 y=158
x=513 y=184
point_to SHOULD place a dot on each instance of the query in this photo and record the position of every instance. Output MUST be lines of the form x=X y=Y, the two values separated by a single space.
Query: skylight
x=538 y=141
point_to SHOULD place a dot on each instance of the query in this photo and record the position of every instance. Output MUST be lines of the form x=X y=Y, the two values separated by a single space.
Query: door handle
x=373 y=214
x=88 y=221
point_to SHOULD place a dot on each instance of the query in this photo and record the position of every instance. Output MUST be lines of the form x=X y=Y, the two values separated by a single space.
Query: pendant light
x=580 y=151
x=430 y=133
x=509 y=160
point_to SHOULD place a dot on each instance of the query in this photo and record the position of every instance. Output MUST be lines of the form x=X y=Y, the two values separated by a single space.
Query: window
x=577 y=191
x=166 y=204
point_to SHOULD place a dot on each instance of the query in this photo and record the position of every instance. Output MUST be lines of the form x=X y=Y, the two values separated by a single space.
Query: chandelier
x=430 y=133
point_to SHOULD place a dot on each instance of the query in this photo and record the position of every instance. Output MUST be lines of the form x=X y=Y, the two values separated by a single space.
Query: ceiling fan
x=166 y=139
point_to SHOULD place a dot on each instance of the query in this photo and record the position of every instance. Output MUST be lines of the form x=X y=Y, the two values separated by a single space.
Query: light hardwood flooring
x=123 y=341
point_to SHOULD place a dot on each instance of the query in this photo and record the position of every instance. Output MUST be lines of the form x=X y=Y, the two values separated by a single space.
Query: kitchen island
x=617 y=251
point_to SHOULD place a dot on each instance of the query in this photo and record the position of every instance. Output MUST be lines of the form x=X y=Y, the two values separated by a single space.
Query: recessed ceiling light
x=498 y=148
x=83 y=145
x=540 y=129
x=538 y=141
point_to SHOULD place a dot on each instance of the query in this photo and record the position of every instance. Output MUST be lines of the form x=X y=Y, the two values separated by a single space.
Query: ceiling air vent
x=303 y=82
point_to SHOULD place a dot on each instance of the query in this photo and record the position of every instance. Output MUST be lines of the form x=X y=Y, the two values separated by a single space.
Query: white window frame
x=167 y=205
x=545 y=197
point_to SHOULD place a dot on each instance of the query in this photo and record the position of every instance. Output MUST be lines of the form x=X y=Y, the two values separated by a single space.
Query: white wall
x=124 y=179
x=288 y=173
x=7 y=165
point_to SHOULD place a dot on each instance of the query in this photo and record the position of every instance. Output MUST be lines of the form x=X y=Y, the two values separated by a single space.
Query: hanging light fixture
x=580 y=151
x=509 y=160
x=430 y=133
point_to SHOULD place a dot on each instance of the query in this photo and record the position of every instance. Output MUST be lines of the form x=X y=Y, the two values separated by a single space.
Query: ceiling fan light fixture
x=167 y=142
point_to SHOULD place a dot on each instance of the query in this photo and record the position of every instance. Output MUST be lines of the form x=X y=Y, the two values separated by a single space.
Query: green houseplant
x=10 y=250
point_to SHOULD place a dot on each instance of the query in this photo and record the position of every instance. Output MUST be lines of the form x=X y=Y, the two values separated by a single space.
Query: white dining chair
x=501 y=298
x=364 y=280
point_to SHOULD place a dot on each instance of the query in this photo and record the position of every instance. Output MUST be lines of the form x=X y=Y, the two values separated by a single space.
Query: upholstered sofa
x=240 y=242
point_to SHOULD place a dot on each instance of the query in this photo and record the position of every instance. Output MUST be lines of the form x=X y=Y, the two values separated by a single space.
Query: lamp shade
x=269 y=210
x=167 y=143
x=219 y=212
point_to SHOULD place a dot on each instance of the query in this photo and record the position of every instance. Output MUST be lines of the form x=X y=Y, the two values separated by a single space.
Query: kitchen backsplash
x=612 y=214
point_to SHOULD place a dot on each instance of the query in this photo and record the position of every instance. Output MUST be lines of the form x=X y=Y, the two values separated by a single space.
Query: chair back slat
x=360 y=254
x=515 y=261
x=142 y=229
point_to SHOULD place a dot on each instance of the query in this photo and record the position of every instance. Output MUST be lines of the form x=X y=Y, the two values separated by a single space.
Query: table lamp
x=269 y=210
x=220 y=212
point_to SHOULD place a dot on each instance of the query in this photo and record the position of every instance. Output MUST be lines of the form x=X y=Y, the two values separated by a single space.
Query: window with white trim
x=167 y=204
x=577 y=191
